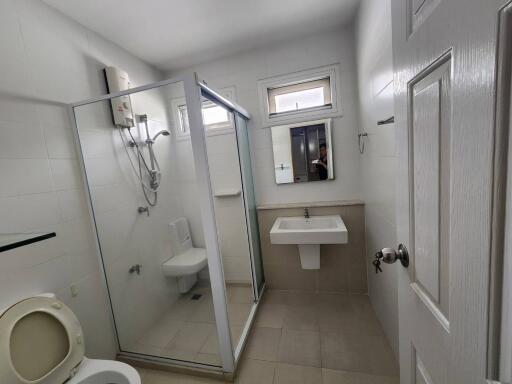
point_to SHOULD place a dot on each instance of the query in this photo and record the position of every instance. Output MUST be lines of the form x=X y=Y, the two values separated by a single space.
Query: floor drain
x=196 y=296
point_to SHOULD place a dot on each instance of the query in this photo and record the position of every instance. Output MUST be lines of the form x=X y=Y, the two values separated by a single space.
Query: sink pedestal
x=309 y=256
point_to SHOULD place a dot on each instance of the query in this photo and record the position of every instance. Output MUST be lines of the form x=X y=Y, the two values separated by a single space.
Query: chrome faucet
x=306 y=213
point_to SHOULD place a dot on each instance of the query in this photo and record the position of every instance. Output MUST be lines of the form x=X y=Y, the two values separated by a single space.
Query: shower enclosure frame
x=194 y=88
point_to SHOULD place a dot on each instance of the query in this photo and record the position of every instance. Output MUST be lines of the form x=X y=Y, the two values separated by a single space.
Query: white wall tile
x=66 y=174
x=378 y=163
x=60 y=142
x=72 y=204
x=21 y=140
x=28 y=212
x=24 y=176
x=47 y=61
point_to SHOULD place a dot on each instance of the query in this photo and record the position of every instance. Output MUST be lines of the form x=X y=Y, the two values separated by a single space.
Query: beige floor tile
x=255 y=372
x=270 y=315
x=263 y=344
x=191 y=337
x=365 y=316
x=211 y=345
x=334 y=300
x=209 y=358
x=144 y=349
x=182 y=309
x=340 y=377
x=161 y=333
x=240 y=294
x=236 y=332
x=150 y=376
x=275 y=297
x=348 y=314
x=296 y=374
x=301 y=318
x=238 y=313
x=335 y=318
x=204 y=312
x=300 y=348
x=358 y=353
x=383 y=360
x=300 y=298
x=179 y=354
x=344 y=351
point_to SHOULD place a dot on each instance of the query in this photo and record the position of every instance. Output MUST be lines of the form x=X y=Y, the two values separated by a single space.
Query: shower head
x=164 y=132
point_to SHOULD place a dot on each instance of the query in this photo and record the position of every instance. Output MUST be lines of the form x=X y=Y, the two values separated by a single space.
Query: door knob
x=390 y=256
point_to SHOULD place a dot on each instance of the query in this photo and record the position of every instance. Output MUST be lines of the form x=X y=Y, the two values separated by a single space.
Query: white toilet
x=185 y=261
x=41 y=342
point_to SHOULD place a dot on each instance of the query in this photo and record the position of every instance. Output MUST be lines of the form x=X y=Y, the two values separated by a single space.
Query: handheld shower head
x=164 y=132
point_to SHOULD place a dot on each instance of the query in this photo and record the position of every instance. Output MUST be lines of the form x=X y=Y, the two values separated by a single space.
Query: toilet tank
x=180 y=236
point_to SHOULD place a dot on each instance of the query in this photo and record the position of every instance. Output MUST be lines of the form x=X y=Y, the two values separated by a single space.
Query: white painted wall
x=375 y=79
x=242 y=71
x=48 y=60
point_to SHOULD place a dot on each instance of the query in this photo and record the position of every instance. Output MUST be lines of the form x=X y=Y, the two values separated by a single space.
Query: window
x=300 y=96
x=215 y=117
x=297 y=97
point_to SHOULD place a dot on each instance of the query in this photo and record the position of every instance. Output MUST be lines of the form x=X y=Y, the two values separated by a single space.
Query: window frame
x=325 y=111
x=179 y=104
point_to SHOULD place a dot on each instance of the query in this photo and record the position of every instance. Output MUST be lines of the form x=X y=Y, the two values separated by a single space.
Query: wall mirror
x=303 y=152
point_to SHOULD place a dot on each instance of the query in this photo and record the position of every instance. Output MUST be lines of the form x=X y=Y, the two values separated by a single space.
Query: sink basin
x=315 y=230
x=308 y=234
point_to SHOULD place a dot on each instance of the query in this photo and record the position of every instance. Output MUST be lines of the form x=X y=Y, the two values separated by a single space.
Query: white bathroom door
x=444 y=78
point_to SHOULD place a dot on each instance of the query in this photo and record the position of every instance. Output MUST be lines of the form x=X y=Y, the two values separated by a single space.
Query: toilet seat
x=41 y=342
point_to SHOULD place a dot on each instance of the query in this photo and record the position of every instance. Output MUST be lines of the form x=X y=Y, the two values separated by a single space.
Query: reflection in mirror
x=303 y=152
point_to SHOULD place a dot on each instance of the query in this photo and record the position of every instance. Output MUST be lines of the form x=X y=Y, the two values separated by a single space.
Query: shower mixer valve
x=143 y=209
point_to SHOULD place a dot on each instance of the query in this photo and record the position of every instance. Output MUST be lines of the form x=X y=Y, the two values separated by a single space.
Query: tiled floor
x=302 y=338
x=187 y=330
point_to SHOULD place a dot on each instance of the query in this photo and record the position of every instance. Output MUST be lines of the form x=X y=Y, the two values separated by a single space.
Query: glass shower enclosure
x=167 y=170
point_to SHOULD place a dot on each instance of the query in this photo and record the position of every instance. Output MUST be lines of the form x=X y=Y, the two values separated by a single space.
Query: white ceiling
x=173 y=34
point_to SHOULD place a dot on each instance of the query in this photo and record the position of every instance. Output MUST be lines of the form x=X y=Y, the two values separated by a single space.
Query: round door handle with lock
x=390 y=256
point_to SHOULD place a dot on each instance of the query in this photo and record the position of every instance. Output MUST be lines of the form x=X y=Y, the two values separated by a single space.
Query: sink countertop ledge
x=311 y=204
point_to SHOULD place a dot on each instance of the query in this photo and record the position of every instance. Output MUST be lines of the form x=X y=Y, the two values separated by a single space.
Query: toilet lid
x=41 y=342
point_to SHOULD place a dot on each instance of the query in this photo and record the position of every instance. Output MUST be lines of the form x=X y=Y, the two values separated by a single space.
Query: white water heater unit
x=117 y=81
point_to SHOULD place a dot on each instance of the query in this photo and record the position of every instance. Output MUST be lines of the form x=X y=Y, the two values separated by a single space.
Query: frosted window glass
x=294 y=101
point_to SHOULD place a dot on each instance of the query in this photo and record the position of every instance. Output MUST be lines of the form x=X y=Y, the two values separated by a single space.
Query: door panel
x=422 y=376
x=444 y=54
x=429 y=151
x=418 y=11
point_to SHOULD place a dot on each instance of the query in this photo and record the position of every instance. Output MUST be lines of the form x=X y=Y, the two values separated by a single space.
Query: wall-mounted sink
x=308 y=234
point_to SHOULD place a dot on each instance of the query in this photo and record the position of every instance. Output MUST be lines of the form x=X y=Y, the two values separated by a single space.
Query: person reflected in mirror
x=321 y=163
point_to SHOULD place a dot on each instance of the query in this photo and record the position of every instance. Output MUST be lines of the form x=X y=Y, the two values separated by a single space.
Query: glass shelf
x=10 y=241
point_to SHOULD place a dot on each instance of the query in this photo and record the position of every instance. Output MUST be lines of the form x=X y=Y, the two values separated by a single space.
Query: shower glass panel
x=145 y=201
x=224 y=167
x=251 y=214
